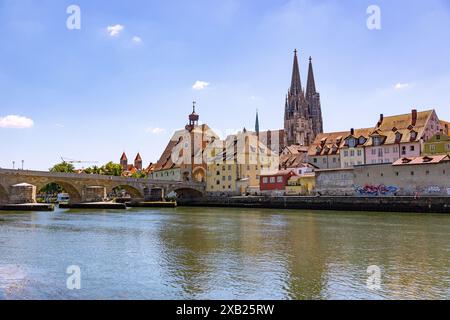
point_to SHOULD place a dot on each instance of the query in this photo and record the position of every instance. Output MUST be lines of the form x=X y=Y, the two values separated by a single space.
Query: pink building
x=400 y=136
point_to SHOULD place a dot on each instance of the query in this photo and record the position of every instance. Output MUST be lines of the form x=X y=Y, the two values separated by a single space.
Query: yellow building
x=237 y=167
x=302 y=185
x=438 y=144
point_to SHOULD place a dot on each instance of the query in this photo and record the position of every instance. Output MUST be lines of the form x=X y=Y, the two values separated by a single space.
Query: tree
x=111 y=169
x=63 y=167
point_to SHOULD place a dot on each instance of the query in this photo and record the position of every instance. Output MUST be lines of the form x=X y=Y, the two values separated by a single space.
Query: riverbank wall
x=379 y=204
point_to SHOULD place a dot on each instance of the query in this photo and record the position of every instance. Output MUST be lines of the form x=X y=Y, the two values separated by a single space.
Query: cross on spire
x=194 y=103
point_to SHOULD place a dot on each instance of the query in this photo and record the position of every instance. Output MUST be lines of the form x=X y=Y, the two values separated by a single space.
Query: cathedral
x=303 y=114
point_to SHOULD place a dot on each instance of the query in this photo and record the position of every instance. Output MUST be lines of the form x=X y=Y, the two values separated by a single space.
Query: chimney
x=352 y=132
x=380 y=122
x=413 y=117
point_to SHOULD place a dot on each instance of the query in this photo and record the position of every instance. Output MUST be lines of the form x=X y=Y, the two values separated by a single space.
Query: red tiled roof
x=422 y=160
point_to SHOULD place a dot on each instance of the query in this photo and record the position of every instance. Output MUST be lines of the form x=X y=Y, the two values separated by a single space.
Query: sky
x=125 y=80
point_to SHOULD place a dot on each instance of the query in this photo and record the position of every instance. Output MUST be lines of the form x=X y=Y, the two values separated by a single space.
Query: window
x=374 y=152
x=345 y=153
x=386 y=150
x=324 y=160
x=229 y=167
x=223 y=168
x=359 y=153
x=352 y=153
x=279 y=179
x=272 y=179
x=352 y=143
x=265 y=180
x=427 y=172
x=411 y=148
x=315 y=160
x=412 y=173
x=334 y=160
x=397 y=174
x=217 y=173
x=403 y=150
x=229 y=178
x=432 y=148
x=376 y=141
x=218 y=182
x=223 y=178
x=380 y=152
x=395 y=149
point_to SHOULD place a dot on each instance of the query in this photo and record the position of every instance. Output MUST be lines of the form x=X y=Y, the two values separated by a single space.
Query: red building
x=277 y=181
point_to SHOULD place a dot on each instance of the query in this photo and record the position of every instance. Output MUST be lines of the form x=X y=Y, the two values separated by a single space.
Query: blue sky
x=91 y=95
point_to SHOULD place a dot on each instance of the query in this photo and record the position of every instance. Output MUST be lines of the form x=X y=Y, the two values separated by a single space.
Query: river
x=224 y=253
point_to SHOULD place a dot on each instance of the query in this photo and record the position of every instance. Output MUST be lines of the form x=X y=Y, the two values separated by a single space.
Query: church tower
x=313 y=99
x=297 y=119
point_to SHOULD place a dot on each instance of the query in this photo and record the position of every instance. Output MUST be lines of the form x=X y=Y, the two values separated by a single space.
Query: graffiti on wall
x=432 y=189
x=380 y=190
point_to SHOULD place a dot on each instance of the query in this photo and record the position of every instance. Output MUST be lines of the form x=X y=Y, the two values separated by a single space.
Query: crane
x=72 y=161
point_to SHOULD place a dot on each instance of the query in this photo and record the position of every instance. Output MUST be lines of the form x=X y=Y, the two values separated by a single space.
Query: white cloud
x=115 y=30
x=401 y=86
x=15 y=122
x=200 y=85
x=157 y=131
x=136 y=39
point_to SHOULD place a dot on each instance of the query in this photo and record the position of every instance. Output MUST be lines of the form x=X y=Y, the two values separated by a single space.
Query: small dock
x=152 y=204
x=94 y=205
x=27 y=207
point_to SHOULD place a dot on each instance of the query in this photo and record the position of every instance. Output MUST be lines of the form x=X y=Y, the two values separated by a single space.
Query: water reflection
x=224 y=254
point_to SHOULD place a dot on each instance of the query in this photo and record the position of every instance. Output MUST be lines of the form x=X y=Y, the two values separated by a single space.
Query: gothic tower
x=297 y=119
x=313 y=99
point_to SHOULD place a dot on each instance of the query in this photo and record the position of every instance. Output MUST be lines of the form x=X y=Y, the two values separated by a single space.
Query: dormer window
x=362 y=140
x=376 y=141
x=352 y=142
x=398 y=137
x=413 y=135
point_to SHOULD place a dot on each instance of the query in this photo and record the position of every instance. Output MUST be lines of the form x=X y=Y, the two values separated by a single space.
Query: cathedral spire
x=257 y=123
x=296 y=83
x=311 y=85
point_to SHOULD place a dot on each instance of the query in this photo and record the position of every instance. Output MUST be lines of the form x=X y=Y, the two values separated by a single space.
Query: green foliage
x=63 y=167
x=112 y=169
x=52 y=188
x=109 y=169
x=139 y=175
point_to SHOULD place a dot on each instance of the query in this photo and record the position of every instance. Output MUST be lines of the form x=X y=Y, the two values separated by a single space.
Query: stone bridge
x=80 y=186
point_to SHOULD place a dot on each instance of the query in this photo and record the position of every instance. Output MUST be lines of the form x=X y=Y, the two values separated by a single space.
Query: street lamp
x=14 y=165
x=22 y=164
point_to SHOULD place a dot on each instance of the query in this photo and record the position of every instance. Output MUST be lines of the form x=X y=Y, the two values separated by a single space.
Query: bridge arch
x=187 y=193
x=4 y=196
x=74 y=193
x=132 y=191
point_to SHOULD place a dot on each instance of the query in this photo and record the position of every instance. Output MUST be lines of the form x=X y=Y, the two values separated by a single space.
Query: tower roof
x=311 y=85
x=296 y=83
x=123 y=157
x=194 y=116
x=257 y=123
x=138 y=157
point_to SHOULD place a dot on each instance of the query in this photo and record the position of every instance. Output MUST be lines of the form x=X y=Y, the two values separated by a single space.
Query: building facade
x=325 y=151
x=438 y=144
x=183 y=158
x=400 y=136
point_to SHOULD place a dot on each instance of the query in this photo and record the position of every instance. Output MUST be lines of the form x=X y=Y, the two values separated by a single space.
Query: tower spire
x=257 y=123
x=311 y=85
x=296 y=83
